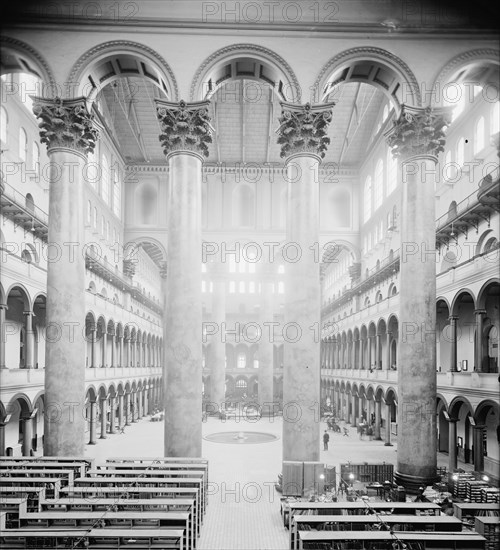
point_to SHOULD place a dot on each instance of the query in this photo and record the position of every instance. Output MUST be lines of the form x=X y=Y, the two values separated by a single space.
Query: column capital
x=28 y=312
x=479 y=312
x=66 y=123
x=418 y=131
x=453 y=318
x=4 y=306
x=303 y=128
x=185 y=127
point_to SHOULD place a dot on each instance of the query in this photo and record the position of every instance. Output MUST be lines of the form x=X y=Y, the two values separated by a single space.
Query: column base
x=413 y=483
x=91 y=443
x=377 y=439
x=387 y=444
x=103 y=437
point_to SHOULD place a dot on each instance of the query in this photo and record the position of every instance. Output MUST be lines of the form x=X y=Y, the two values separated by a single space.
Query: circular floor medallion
x=241 y=437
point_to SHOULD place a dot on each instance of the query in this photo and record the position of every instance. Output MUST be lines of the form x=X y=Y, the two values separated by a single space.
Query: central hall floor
x=243 y=511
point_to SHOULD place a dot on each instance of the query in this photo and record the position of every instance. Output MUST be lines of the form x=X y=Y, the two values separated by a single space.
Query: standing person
x=326 y=439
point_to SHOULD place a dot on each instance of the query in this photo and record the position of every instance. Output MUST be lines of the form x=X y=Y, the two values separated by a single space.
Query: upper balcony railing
x=23 y=212
x=387 y=267
x=470 y=211
x=15 y=206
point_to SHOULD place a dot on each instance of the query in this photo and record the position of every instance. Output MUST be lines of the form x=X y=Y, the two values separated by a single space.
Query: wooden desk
x=56 y=539
x=166 y=520
x=149 y=481
x=72 y=504
x=367 y=539
x=355 y=508
x=79 y=468
x=398 y=523
x=31 y=483
x=151 y=493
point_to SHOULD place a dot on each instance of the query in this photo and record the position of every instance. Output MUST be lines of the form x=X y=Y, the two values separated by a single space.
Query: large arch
x=370 y=65
x=153 y=247
x=109 y=61
x=248 y=61
x=474 y=66
x=19 y=57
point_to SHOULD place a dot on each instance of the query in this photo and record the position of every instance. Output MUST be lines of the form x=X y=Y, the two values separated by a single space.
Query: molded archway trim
x=403 y=89
x=269 y=67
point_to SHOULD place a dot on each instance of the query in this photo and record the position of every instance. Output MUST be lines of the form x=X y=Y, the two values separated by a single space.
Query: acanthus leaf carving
x=303 y=128
x=66 y=123
x=185 y=126
x=418 y=131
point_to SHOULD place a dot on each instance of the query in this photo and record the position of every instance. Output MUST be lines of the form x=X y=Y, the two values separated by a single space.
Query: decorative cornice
x=114 y=47
x=446 y=73
x=66 y=123
x=22 y=47
x=418 y=132
x=303 y=128
x=184 y=126
x=363 y=53
x=244 y=50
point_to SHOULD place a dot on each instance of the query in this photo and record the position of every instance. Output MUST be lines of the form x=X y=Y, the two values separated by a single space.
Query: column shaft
x=378 y=349
x=378 y=419
x=112 y=422
x=301 y=378
x=388 y=351
x=29 y=343
x=27 y=435
x=452 y=444
x=478 y=448
x=479 y=348
x=388 y=419
x=3 y=339
x=266 y=346
x=93 y=348
x=120 y=411
x=218 y=345
x=128 y=416
x=453 y=347
x=112 y=336
x=183 y=400
x=65 y=355
x=103 y=405
x=92 y=423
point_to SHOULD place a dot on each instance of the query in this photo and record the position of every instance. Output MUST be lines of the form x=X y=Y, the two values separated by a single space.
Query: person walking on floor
x=326 y=439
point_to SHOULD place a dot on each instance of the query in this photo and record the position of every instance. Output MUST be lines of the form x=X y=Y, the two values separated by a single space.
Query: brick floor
x=244 y=509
